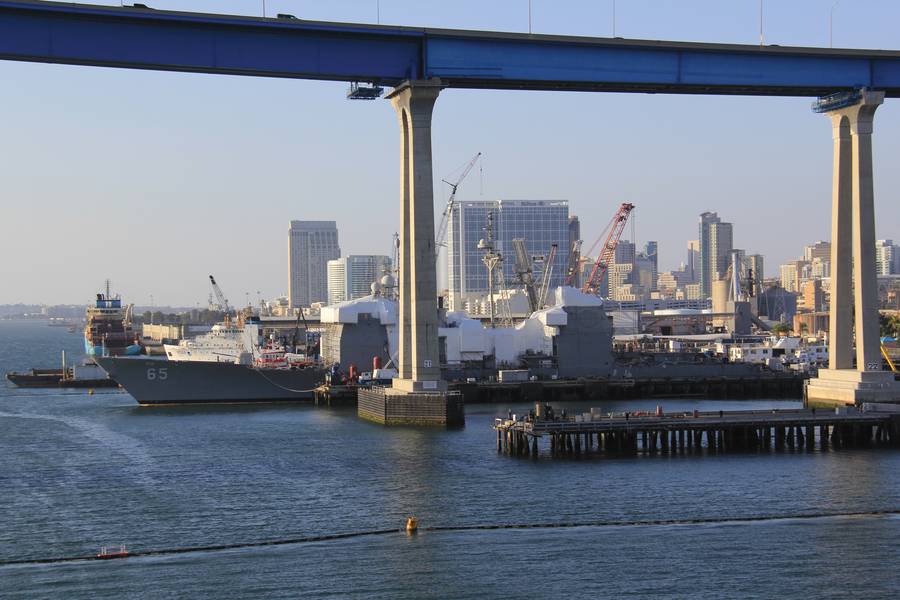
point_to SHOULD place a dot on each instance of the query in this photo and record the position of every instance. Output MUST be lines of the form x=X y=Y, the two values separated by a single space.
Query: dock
x=768 y=385
x=635 y=433
x=763 y=385
x=335 y=395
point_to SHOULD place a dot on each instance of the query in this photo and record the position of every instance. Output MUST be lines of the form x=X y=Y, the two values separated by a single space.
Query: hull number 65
x=157 y=373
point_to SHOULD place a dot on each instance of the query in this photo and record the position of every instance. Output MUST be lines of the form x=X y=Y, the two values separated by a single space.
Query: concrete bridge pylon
x=853 y=277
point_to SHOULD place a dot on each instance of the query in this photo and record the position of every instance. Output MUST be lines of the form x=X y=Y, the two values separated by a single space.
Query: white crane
x=223 y=302
x=441 y=237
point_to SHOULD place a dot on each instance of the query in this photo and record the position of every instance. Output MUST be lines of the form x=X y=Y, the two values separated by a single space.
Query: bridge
x=419 y=62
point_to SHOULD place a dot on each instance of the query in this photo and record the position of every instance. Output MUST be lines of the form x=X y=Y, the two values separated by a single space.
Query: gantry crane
x=441 y=237
x=615 y=227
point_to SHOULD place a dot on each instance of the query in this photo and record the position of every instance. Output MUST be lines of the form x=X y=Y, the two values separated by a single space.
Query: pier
x=763 y=385
x=632 y=434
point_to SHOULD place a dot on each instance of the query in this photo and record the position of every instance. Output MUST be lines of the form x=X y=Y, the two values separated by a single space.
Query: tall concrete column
x=853 y=243
x=419 y=368
x=865 y=296
x=840 y=340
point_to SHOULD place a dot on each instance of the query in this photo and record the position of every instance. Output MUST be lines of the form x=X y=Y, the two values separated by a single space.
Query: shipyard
x=372 y=298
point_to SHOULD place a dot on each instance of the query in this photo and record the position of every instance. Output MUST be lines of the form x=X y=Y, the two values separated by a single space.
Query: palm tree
x=894 y=325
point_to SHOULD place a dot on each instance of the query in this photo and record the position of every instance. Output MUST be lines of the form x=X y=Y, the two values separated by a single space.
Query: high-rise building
x=624 y=253
x=820 y=249
x=716 y=243
x=311 y=245
x=792 y=275
x=811 y=294
x=351 y=277
x=692 y=266
x=887 y=257
x=540 y=223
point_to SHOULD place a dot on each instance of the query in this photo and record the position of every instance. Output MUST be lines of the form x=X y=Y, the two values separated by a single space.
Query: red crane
x=615 y=227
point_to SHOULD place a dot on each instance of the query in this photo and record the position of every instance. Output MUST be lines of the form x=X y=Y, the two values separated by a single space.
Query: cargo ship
x=108 y=331
x=159 y=381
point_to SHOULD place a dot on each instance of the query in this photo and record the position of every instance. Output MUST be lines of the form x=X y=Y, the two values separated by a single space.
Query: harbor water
x=80 y=471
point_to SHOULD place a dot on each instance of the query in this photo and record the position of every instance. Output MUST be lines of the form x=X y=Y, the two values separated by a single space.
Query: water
x=78 y=472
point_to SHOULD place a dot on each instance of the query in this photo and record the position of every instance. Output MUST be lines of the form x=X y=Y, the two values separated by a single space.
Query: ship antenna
x=107 y=289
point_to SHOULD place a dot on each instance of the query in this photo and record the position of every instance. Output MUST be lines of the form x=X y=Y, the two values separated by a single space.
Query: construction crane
x=493 y=260
x=615 y=228
x=223 y=302
x=545 y=278
x=525 y=272
x=573 y=263
x=441 y=237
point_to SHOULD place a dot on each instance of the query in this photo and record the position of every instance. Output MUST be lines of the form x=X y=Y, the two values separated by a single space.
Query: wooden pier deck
x=692 y=432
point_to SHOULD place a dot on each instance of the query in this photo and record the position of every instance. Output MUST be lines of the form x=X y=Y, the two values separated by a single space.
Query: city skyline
x=233 y=158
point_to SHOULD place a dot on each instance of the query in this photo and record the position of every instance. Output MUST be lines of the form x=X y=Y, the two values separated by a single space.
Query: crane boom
x=607 y=252
x=441 y=237
x=573 y=262
x=525 y=272
x=219 y=295
x=545 y=278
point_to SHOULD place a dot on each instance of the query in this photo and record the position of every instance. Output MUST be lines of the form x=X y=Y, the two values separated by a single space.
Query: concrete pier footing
x=390 y=407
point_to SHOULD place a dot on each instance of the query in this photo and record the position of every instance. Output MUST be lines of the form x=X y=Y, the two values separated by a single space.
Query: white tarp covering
x=348 y=312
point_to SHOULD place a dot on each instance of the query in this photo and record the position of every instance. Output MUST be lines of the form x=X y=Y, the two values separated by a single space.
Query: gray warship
x=160 y=381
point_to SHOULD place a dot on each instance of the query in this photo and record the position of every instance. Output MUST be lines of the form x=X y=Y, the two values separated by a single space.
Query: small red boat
x=113 y=552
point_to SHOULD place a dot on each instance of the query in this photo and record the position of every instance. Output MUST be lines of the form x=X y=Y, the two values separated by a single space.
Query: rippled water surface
x=80 y=471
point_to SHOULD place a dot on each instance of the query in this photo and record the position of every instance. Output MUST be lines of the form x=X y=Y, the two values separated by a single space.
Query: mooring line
x=453 y=528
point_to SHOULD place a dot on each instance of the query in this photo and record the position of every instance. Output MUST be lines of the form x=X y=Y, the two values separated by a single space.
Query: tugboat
x=108 y=331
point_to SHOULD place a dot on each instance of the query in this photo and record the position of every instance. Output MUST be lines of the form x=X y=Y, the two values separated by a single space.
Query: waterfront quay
x=695 y=432
x=764 y=385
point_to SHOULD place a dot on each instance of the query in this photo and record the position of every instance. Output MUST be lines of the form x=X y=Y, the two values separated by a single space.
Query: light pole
x=831 y=24
x=529 y=16
x=761 y=38
x=614 y=17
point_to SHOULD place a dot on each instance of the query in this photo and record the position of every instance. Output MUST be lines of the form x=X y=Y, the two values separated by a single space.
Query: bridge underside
x=127 y=37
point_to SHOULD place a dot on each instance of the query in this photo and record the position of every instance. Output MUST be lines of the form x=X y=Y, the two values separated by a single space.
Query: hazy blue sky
x=158 y=179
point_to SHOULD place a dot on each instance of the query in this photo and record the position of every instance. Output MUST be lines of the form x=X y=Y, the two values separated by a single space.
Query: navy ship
x=155 y=381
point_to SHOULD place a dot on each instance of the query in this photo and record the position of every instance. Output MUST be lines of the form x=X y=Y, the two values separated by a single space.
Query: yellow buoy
x=90 y=392
x=412 y=525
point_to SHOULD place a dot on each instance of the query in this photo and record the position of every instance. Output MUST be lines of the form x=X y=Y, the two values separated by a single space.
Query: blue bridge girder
x=82 y=34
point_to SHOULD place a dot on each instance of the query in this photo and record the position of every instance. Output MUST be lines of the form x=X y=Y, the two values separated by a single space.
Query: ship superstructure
x=108 y=331
x=226 y=342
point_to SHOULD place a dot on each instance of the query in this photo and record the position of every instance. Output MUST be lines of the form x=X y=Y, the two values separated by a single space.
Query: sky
x=155 y=180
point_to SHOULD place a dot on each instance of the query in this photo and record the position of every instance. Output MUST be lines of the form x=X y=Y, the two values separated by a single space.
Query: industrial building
x=572 y=338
